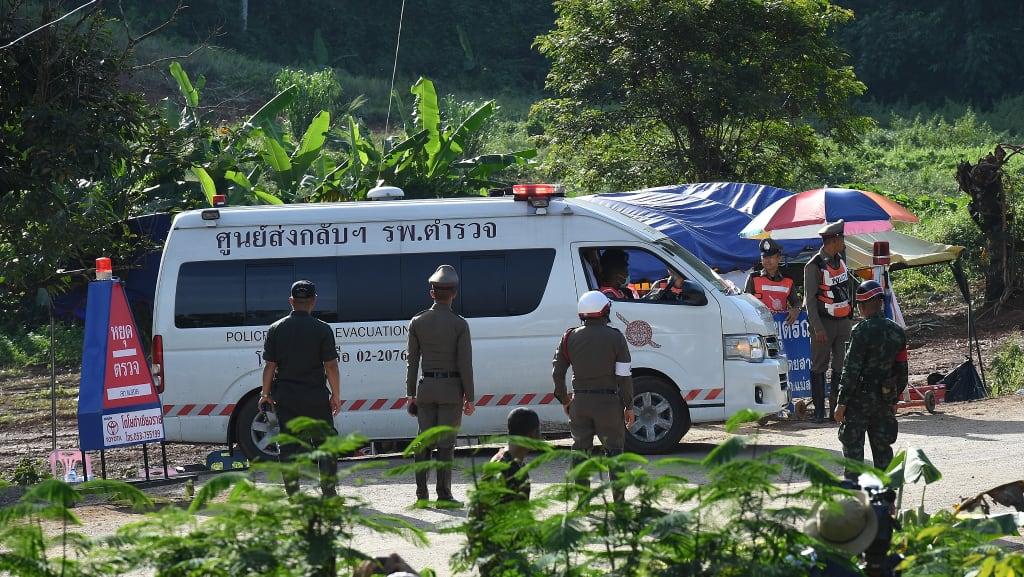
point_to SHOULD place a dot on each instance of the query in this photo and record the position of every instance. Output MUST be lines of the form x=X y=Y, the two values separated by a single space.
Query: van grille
x=783 y=381
x=772 y=346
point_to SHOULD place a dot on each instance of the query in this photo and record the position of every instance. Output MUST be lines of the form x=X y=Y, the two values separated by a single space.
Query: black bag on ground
x=964 y=384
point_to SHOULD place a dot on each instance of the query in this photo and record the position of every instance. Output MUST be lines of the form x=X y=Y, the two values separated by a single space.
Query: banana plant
x=427 y=162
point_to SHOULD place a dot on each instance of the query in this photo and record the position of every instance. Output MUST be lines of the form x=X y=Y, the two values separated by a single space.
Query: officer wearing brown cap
x=770 y=286
x=828 y=292
x=300 y=355
x=439 y=342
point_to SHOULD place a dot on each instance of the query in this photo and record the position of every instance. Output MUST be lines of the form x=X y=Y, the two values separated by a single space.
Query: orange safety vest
x=614 y=293
x=834 y=292
x=773 y=293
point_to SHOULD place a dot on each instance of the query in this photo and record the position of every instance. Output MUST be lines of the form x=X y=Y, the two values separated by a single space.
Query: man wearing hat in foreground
x=828 y=288
x=849 y=524
x=300 y=355
x=776 y=290
x=874 y=377
x=439 y=341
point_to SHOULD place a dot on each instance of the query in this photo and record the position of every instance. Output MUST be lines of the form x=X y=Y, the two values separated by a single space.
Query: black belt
x=440 y=374
x=596 y=392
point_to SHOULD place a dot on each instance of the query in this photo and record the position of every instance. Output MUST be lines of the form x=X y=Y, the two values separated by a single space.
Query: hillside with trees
x=126 y=109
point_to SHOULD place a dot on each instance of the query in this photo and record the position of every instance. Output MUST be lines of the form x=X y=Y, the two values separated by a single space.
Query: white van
x=523 y=261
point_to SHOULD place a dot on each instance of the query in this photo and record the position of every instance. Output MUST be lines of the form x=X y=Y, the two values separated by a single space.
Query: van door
x=675 y=344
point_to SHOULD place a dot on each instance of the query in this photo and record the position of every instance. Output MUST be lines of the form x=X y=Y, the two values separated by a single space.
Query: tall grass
x=1008 y=366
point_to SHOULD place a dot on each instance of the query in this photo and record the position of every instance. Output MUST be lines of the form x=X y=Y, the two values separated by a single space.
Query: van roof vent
x=385 y=193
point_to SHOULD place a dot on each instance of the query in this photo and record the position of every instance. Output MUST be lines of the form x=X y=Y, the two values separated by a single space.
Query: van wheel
x=662 y=417
x=254 y=429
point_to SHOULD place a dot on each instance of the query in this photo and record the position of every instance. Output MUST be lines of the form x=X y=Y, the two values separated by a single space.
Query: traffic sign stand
x=119 y=403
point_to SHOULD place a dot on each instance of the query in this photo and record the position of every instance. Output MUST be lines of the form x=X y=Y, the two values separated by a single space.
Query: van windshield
x=696 y=265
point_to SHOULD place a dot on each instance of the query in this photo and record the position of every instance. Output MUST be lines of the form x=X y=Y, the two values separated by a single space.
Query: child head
x=523 y=422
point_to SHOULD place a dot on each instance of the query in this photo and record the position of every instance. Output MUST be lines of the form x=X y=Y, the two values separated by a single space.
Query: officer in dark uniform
x=874 y=376
x=602 y=399
x=828 y=289
x=439 y=341
x=300 y=358
x=776 y=290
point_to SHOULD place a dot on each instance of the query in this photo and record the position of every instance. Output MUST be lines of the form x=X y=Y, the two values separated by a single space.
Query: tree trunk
x=983 y=182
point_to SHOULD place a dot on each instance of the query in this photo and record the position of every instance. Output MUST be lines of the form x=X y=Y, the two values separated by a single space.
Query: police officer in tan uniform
x=828 y=293
x=439 y=342
x=602 y=399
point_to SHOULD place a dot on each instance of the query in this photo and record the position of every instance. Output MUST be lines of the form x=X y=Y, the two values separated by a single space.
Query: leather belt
x=596 y=392
x=440 y=374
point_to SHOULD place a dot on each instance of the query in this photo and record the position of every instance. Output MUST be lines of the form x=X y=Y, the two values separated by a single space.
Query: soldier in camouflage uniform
x=874 y=376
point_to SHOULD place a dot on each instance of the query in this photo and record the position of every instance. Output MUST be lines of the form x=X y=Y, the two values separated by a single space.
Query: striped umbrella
x=803 y=214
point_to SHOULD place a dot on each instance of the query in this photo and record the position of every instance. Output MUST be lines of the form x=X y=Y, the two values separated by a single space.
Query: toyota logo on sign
x=112 y=427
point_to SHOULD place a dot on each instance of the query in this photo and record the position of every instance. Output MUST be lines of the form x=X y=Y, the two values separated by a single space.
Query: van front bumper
x=763 y=387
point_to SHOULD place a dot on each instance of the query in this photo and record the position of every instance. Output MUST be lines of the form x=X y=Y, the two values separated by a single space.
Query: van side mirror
x=693 y=294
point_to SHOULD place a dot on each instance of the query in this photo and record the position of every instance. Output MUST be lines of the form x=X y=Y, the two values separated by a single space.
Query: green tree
x=77 y=151
x=717 y=89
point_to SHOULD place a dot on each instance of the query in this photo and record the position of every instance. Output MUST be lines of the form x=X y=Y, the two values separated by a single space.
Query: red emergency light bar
x=538 y=195
x=526 y=191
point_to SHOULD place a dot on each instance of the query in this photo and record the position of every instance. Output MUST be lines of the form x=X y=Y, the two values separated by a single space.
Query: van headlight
x=748 y=348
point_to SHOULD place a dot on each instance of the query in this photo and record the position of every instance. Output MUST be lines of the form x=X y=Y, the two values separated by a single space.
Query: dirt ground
x=976 y=445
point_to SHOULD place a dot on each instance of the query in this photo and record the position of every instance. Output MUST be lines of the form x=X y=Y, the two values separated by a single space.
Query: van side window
x=364 y=288
x=484 y=286
x=210 y=294
x=266 y=292
x=416 y=269
x=370 y=288
x=324 y=274
x=632 y=274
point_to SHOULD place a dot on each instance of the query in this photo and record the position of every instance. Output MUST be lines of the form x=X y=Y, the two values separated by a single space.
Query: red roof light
x=525 y=191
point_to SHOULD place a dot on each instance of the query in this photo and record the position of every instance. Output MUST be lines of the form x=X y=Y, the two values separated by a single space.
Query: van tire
x=246 y=436
x=646 y=436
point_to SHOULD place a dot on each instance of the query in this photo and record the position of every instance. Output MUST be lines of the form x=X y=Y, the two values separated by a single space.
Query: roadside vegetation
x=745 y=517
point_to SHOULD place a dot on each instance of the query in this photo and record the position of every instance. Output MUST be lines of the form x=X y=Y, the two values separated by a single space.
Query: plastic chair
x=69 y=461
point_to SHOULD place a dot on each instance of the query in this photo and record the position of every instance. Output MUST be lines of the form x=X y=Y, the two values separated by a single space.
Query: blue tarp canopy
x=706 y=218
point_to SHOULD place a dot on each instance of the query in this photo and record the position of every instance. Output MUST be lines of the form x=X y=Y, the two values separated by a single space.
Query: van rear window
x=361 y=288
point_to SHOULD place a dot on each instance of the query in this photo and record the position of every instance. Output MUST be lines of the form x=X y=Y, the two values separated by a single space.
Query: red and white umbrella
x=803 y=214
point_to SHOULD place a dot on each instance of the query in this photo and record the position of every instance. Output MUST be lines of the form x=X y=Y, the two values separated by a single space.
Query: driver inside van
x=668 y=289
x=614 y=276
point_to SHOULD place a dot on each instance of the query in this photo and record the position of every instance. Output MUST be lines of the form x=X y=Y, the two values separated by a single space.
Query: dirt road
x=975 y=445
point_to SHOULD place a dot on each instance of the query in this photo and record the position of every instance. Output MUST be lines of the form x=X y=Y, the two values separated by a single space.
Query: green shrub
x=316 y=91
x=1008 y=367
x=28 y=472
x=21 y=348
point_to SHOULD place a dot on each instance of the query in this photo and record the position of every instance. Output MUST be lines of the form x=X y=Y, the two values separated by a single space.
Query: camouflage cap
x=303 y=289
x=444 y=277
x=832 y=230
x=770 y=248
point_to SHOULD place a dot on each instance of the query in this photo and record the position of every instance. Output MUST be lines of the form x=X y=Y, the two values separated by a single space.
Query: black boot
x=421 y=477
x=833 y=395
x=818 y=396
x=444 y=476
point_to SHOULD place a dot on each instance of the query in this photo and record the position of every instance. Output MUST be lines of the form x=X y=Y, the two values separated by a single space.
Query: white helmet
x=593 y=305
